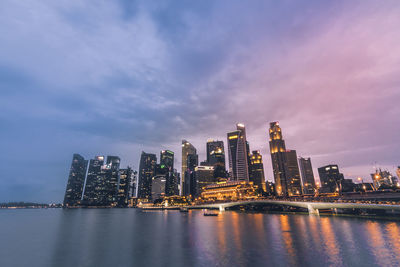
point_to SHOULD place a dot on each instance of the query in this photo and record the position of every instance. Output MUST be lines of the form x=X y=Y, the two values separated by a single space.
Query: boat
x=184 y=209
x=210 y=213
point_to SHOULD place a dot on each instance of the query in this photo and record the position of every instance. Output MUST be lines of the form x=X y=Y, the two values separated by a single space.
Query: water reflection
x=128 y=237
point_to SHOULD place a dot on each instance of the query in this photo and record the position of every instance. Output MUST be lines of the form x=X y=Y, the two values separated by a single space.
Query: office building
x=257 y=170
x=76 y=181
x=95 y=189
x=124 y=186
x=307 y=175
x=216 y=158
x=278 y=157
x=293 y=174
x=331 y=179
x=147 y=170
x=238 y=155
x=204 y=176
x=112 y=177
x=187 y=149
x=158 y=186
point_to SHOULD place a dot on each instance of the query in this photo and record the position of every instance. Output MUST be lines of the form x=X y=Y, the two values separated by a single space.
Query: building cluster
x=103 y=183
x=99 y=183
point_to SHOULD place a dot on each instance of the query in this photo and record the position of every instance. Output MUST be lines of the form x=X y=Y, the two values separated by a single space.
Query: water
x=129 y=237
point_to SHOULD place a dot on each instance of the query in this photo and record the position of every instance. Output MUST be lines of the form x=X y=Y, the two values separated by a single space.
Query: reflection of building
x=187 y=149
x=158 y=187
x=278 y=157
x=229 y=191
x=76 y=180
x=238 y=155
x=307 y=175
x=147 y=168
x=293 y=174
x=257 y=170
x=383 y=180
x=204 y=176
x=331 y=178
x=216 y=158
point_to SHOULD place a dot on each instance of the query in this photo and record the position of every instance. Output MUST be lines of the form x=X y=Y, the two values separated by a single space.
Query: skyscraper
x=216 y=158
x=293 y=174
x=167 y=160
x=187 y=149
x=307 y=175
x=147 y=169
x=112 y=177
x=124 y=186
x=190 y=178
x=331 y=179
x=238 y=155
x=76 y=181
x=102 y=181
x=95 y=182
x=257 y=170
x=278 y=157
x=158 y=187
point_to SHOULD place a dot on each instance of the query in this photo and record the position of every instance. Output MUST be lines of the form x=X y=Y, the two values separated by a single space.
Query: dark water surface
x=129 y=237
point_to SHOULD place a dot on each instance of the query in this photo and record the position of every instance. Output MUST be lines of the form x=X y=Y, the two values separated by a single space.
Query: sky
x=120 y=77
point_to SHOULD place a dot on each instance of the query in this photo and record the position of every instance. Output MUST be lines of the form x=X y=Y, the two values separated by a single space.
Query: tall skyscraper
x=190 y=177
x=331 y=179
x=124 y=186
x=216 y=158
x=147 y=170
x=167 y=160
x=307 y=175
x=95 y=182
x=293 y=174
x=278 y=157
x=257 y=170
x=112 y=177
x=76 y=181
x=238 y=155
x=187 y=149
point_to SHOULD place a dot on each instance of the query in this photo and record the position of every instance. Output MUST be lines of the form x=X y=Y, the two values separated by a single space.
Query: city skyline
x=332 y=84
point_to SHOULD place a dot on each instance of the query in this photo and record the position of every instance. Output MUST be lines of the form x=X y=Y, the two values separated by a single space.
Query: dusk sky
x=119 y=77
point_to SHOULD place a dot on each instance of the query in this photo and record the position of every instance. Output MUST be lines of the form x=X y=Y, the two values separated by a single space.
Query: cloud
x=130 y=76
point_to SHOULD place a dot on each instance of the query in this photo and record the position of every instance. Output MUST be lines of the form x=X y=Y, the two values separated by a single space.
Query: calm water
x=129 y=237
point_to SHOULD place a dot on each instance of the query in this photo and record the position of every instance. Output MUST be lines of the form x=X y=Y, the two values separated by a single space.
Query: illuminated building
x=278 y=157
x=331 y=179
x=216 y=158
x=187 y=149
x=293 y=174
x=192 y=163
x=234 y=190
x=307 y=175
x=102 y=181
x=257 y=170
x=95 y=182
x=147 y=169
x=167 y=162
x=76 y=181
x=238 y=155
x=124 y=186
x=134 y=182
x=204 y=176
x=158 y=187
x=384 y=180
x=111 y=180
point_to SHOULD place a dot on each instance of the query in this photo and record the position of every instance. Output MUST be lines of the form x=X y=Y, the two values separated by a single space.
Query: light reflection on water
x=129 y=237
